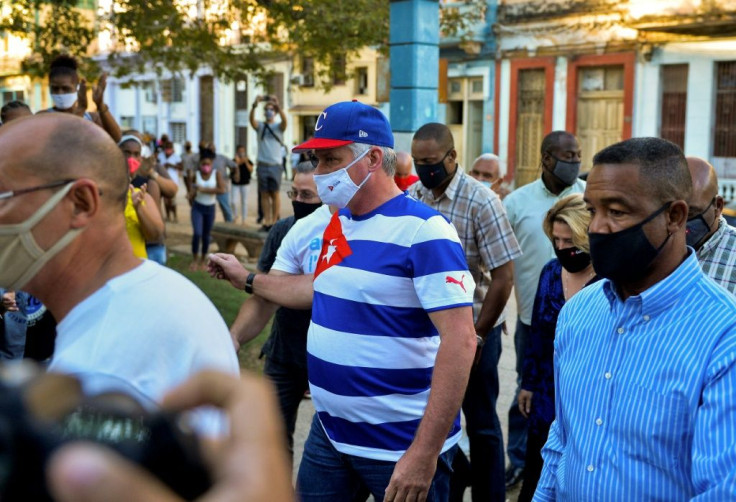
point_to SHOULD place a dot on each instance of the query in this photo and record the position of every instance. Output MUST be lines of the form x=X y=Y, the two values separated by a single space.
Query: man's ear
x=677 y=216
x=375 y=158
x=85 y=196
x=719 y=206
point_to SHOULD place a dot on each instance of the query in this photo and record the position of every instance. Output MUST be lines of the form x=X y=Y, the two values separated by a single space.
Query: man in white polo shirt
x=526 y=208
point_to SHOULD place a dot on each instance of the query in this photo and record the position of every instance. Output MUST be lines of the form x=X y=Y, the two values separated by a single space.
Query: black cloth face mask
x=624 y=256
x=698 y=228
x=432 y=175
x=573 y=259
x=303 y=209
x=566 y=172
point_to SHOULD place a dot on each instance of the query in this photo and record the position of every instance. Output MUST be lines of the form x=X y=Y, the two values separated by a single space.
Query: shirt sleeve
x=440 y=271
x=555 y=446
x=286 y=256
x=714 y=439
x=497 y=243
x=551 y=453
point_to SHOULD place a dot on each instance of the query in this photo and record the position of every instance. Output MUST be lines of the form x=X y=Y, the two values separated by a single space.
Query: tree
x=231 y=37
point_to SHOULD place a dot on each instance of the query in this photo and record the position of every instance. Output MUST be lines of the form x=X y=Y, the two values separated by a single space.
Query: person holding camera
x=250 y=463
x=269 y=163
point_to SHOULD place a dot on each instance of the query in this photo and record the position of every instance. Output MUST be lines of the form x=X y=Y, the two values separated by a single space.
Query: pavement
x=178 y=241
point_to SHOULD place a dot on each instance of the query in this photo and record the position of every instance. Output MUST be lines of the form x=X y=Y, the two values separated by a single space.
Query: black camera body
x=156 y=442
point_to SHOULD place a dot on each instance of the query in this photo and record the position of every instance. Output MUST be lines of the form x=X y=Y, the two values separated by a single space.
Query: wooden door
x=529 y=124
x=600 y=114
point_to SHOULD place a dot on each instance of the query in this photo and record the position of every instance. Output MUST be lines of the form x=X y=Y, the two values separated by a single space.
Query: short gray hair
x=490 y=157
x=389 y=155
x=304 y=167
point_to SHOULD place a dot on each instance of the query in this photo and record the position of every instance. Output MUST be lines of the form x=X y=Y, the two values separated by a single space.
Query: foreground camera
x=41 y=412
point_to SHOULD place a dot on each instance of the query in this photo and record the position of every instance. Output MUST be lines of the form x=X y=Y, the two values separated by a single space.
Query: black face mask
x=432 y=175
x=625 y=256
x=302 y=209
x=573 y=259
x=698 y=228
x=566 y=172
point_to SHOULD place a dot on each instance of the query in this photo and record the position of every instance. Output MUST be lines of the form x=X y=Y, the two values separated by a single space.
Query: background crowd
x=388 y=286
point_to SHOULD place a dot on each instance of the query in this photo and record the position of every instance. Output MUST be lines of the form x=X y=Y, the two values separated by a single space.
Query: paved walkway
x=179 y=235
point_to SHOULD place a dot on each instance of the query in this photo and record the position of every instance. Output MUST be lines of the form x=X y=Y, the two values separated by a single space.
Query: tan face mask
x=20 y=255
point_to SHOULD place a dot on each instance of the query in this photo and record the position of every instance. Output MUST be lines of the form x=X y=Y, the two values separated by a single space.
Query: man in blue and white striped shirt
x=645 y=361
x=392 y=339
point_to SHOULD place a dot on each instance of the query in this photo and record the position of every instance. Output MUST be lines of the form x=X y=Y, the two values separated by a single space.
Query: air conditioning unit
x=303 y=79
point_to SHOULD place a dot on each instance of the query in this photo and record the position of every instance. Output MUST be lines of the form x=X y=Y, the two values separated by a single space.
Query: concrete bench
x=227 y=236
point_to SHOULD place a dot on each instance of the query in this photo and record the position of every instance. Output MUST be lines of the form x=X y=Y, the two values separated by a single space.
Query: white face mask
x=337 y=189
x=64 y=101
x=20 y=256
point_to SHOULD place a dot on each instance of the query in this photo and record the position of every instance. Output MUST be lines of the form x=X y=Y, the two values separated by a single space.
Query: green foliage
x=457 y=19
x=228 y=301
x=53 y=27
x=232 y=37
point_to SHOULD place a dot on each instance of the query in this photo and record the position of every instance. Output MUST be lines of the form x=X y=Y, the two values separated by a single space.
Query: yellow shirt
x=133 y=226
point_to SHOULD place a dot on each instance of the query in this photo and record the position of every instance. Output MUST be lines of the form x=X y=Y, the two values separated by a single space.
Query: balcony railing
x=727 y=189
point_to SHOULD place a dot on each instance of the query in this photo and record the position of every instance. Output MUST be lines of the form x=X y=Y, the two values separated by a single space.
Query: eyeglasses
x=53 y=184
x=303 y=195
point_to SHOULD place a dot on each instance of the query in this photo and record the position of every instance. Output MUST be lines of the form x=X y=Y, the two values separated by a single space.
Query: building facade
x=607 y=71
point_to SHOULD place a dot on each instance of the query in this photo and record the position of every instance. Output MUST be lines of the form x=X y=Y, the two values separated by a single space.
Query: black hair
x=206 y=153
x=661 y=163
x=553 y=140
x=440 y=133
x=63 y=65
x=12 y=105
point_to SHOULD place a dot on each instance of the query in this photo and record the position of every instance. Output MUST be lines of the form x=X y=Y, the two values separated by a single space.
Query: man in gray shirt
x=269 y=165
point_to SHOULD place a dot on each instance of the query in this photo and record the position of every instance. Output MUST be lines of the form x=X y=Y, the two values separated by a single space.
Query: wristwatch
x=480 y=340
x=249 y=283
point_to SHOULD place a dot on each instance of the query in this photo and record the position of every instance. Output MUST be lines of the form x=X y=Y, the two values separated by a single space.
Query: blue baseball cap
x=349 y=122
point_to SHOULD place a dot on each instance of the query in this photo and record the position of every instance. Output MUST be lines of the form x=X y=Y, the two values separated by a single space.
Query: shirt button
x=590 y=468
x=598 y=421
x=646 y=317
x=608 y=375
x=620 y=331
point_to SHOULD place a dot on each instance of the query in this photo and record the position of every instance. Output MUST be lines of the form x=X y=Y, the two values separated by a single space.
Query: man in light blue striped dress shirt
x=645 y=361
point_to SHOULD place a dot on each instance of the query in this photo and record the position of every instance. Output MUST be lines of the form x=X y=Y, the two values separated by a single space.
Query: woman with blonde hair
x=566 y=225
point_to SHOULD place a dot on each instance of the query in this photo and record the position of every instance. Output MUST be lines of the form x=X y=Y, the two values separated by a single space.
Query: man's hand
x=250 y=464
x=227 y=267
x=525 y=402
x=98 y=92
x=8 y=302
x=412 y=478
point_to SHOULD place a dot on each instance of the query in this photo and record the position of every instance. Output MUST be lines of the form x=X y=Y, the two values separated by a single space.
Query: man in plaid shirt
x=708 y=232
x=490 y=246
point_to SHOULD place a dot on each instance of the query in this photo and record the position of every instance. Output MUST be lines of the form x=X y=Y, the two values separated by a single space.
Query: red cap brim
x=320 y=144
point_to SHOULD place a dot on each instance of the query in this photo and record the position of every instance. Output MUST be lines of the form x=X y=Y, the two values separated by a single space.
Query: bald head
x=705 y=180
x=704 y=204
x=403 y=164
x=55 y=146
